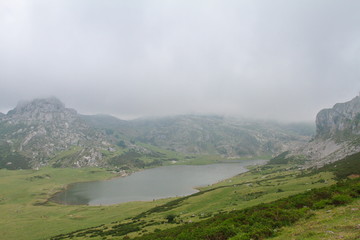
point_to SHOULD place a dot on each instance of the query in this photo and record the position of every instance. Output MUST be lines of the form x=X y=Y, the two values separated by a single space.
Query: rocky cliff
x=337 y=134
x=340 y=122
x=42 y=128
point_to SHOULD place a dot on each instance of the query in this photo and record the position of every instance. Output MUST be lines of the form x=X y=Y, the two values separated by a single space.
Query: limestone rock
x=337 y=134
x=41 y=128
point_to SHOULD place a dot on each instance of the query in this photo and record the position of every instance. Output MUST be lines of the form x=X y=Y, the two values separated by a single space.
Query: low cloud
x=281 y=60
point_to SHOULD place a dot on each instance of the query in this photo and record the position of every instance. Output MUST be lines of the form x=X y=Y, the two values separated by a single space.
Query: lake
x=150 y=184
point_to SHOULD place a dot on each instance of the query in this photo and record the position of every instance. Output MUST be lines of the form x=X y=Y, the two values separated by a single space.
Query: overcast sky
x=277 y=59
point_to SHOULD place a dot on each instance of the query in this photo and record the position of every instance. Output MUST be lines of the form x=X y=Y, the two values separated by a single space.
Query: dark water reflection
x=156 y=183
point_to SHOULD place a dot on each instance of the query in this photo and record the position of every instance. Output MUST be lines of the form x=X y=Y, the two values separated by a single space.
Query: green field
x=26 y=212
x=262 y=184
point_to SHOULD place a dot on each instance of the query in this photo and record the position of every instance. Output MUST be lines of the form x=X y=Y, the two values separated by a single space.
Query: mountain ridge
x=48 y=133
x=209 y=134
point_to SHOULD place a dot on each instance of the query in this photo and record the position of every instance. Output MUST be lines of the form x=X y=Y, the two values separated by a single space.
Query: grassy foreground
x=261 y=185
x=326 y=224
x=254 y=205
x=26 y=213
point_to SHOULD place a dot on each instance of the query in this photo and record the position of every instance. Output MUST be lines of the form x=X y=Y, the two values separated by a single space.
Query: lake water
x=150 y=184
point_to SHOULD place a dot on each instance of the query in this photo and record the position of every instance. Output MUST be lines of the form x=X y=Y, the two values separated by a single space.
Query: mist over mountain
x=258 y=59
x=204 y=134
x=44 y=132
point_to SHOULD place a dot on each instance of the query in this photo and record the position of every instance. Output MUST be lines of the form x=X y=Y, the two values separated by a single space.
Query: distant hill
x=201 y=134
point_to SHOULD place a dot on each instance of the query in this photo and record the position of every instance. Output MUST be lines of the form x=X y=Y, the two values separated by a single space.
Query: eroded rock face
x=340 y=122
x=337 y=134
x=44 y=127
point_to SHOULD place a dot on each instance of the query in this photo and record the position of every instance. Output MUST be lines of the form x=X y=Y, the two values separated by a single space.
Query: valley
x=27 y=213
x=179 y=120
x=39 y=157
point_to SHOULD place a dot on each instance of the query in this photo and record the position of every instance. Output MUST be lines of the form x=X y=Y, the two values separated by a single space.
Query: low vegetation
x=263 y=220
x=256 y=204
x=347 y=167
x=12 y=160
x=27 y=214
x=262 y=184
x=330 y=223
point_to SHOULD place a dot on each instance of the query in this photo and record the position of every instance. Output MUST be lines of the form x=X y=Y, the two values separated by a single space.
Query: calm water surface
x=150 y=184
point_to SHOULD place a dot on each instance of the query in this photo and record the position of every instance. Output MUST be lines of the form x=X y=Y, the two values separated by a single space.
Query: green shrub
x=341 y=199
x=170 y=218
x=322 y=204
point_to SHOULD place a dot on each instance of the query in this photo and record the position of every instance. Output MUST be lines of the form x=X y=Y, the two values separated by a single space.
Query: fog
x=282 y=60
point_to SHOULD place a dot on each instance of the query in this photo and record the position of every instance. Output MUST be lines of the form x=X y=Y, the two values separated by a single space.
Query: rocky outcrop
x=340 y=122
x=337 y=134
x=42 y=128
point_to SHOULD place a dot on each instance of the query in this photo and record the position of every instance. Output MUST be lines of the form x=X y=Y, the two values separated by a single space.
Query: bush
x=341 y=199
x=170 y=218
x=322 y=204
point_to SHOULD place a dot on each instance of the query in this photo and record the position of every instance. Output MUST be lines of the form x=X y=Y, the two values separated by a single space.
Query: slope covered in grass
x=263 y=184
x=263 y=220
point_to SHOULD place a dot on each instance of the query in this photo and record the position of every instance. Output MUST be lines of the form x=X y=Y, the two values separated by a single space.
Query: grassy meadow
x=26 y=212
x=262 y=184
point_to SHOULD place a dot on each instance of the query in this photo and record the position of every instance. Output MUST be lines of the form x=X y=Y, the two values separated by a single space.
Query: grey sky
x=262 y=59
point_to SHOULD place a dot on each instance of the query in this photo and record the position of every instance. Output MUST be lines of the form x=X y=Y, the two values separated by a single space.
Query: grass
x=260 y=185
x=327 y=224
x=26 y=214
x=263 y=220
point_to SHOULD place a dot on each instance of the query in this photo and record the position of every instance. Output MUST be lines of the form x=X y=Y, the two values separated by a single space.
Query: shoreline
x=197 y=189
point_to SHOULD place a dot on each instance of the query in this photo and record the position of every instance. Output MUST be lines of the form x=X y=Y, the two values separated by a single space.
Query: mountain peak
x=49 y=104
x=41 y=110
x=41 y=128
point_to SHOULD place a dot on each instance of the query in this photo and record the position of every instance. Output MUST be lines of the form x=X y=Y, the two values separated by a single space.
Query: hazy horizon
x=277 y=60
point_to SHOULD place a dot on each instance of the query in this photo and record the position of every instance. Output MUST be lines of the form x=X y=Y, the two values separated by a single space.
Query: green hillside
x=254 y=205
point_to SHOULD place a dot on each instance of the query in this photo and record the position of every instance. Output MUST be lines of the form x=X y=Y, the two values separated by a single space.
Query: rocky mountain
x=44 y=132
x=214 y=135
x=337 y=134
x=340 y=122
x=41 y=129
